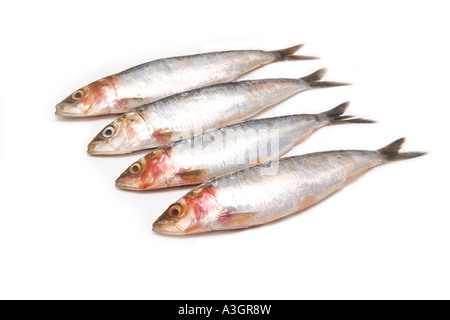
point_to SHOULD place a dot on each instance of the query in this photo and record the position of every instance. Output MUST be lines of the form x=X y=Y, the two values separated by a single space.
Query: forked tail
x=288 y=54
x=313 y=80
x=391 y=151
x=335 y=115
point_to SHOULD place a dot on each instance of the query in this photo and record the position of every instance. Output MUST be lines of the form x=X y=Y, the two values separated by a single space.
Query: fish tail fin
x=288 y=54
x=391 y=151
x=313 y=80
x=335 y=115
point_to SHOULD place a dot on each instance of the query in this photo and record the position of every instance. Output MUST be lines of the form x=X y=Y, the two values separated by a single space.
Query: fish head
x=149 y=172
x=191 y=214
x=92 y=100
x=126 y=134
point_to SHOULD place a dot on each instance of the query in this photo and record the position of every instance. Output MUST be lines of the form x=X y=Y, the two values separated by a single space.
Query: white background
x=67 y=232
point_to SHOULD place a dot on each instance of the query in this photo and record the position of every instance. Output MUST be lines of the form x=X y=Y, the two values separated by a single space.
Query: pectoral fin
x=238 y=220
x=193 y=176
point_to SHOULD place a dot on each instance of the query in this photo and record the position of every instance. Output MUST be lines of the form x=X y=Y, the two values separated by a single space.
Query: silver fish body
x=161 y=78
x=216 y=106
x=257 y=195
x=230 y=148
x=193 y=112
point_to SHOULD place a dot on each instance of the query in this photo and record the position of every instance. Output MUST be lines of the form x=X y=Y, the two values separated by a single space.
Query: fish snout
x=125 y=183
x=96 y=148
x=163 y=227
x=68 y=109
x=158 y=226
x=91 y=148
x=100 y=147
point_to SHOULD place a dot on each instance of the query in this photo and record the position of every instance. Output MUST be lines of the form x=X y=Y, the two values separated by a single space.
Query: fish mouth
x=162 y=228
x=91 y=149
x=96 y=149
x=122 y=184
x=69 y=110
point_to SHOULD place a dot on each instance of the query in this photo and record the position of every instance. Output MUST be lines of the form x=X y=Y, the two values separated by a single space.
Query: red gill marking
x=113 y=81
x=96 y=93
x=129 y=130
x=202 y=202
x=119 y=104
x=146 y=172
x=157 y=165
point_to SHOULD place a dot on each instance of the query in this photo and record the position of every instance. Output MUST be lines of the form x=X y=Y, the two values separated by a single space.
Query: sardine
x=193 y=112
x=251 y=197
x=161 y=78
x=227 y=149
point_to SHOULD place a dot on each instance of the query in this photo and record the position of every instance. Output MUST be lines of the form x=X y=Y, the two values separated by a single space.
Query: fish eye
x=77 y=95
x=135 y=168
x=108 y=131
x=176 y=211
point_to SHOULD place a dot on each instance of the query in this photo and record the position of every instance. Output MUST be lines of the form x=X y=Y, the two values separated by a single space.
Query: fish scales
x=249 y=197
x=161 y=78
x=274 y=196
x=193 y=112
x=150 y=81
x=220 y=151
x=234 y=154
x=218 y=105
